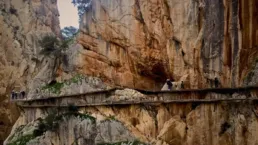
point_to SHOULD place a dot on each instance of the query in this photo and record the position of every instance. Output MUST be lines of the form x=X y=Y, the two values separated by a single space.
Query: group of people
x=17 y=95
x=170 y=84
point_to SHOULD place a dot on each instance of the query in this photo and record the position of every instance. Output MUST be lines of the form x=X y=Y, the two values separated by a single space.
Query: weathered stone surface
x=252 y=76
x=227 y=123
x=140 y=43
x=127 y=94
x=75 y=130
x=66 y=85
x=112 y=131
x=22 y=24
x=173 y=131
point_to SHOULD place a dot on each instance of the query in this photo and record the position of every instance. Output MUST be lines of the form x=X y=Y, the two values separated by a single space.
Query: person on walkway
x=216 y=82
x=169 y=83
x=210 y=81
x=182 y=85
x=15 y=95
x=22 y=94
x=12 y=94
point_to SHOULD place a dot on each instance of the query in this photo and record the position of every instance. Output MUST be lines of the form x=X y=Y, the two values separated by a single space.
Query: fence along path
x=110 y=97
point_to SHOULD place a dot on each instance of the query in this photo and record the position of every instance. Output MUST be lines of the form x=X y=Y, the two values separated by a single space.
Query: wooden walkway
x=110 y=97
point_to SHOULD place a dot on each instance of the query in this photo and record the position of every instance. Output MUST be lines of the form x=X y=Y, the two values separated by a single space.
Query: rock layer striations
x=140 y=43
x=22 y=23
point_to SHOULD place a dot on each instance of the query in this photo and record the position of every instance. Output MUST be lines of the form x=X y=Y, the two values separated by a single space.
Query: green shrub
x=49 y=44
x=80 y=115
x=250 y=73
x=54 y=88
x=23 y=140
x=50 y=123
x=65 y=43
x=57 y=86
x=82 y=7
x=111 y=117
x=69 y=33
x=77 y=78
x=18 y=129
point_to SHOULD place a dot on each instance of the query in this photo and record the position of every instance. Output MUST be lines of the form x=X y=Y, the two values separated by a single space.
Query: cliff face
x=135 y=43
x=22 y=23
x=140 y=43
x=227 y=123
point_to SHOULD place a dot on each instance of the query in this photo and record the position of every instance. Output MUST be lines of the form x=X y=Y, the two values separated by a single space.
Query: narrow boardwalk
x=111 y=97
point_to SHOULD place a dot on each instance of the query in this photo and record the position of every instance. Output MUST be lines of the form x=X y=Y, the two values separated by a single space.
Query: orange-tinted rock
x=149 y=41
x=22 y=24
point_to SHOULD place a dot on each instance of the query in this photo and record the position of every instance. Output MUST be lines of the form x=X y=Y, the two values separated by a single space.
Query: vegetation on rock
x=18 y=129
x=76 y=79
x=250 y=74
x=82 y=6
x=50 y=123
x=110 y=118
x=52 y=45
x=23 y=140
x=56 y=87
x=69 y=32
x=49 y=44
x=79 y=115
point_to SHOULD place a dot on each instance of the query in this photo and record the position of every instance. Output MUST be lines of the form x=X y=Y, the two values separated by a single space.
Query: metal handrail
x=148 y=92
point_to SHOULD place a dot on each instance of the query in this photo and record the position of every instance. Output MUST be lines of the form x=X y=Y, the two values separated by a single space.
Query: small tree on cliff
x=50 y=45
x=54 y=47
x=69 y=32
x=82 y=6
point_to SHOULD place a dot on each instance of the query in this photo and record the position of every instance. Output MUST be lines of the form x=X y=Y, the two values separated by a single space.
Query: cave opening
x=159 y=74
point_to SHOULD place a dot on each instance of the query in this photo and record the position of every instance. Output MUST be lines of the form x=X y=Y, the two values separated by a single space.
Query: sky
x=68 y=14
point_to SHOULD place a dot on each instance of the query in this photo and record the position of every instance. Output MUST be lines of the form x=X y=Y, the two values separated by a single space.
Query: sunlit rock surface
x=226 y=123
x=141 y=43
x=136 y=44
x=22 y=23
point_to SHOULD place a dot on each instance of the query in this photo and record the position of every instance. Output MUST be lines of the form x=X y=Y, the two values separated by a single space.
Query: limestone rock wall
x=71 y=129
x=226 y=123
x=22 y=23
x=140 y=43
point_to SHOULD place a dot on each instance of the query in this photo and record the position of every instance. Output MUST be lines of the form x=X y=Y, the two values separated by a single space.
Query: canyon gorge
x=135 y=44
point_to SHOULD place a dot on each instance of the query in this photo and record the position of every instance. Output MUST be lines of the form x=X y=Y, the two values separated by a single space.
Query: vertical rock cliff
x=140 y=43
x=136 y=44
x=214 y=123
x=22 y=24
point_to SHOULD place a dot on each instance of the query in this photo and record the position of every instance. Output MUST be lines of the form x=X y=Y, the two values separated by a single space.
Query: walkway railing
x=109 y=97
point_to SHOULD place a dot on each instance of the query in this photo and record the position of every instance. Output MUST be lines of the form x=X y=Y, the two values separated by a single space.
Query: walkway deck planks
x=108 y=97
